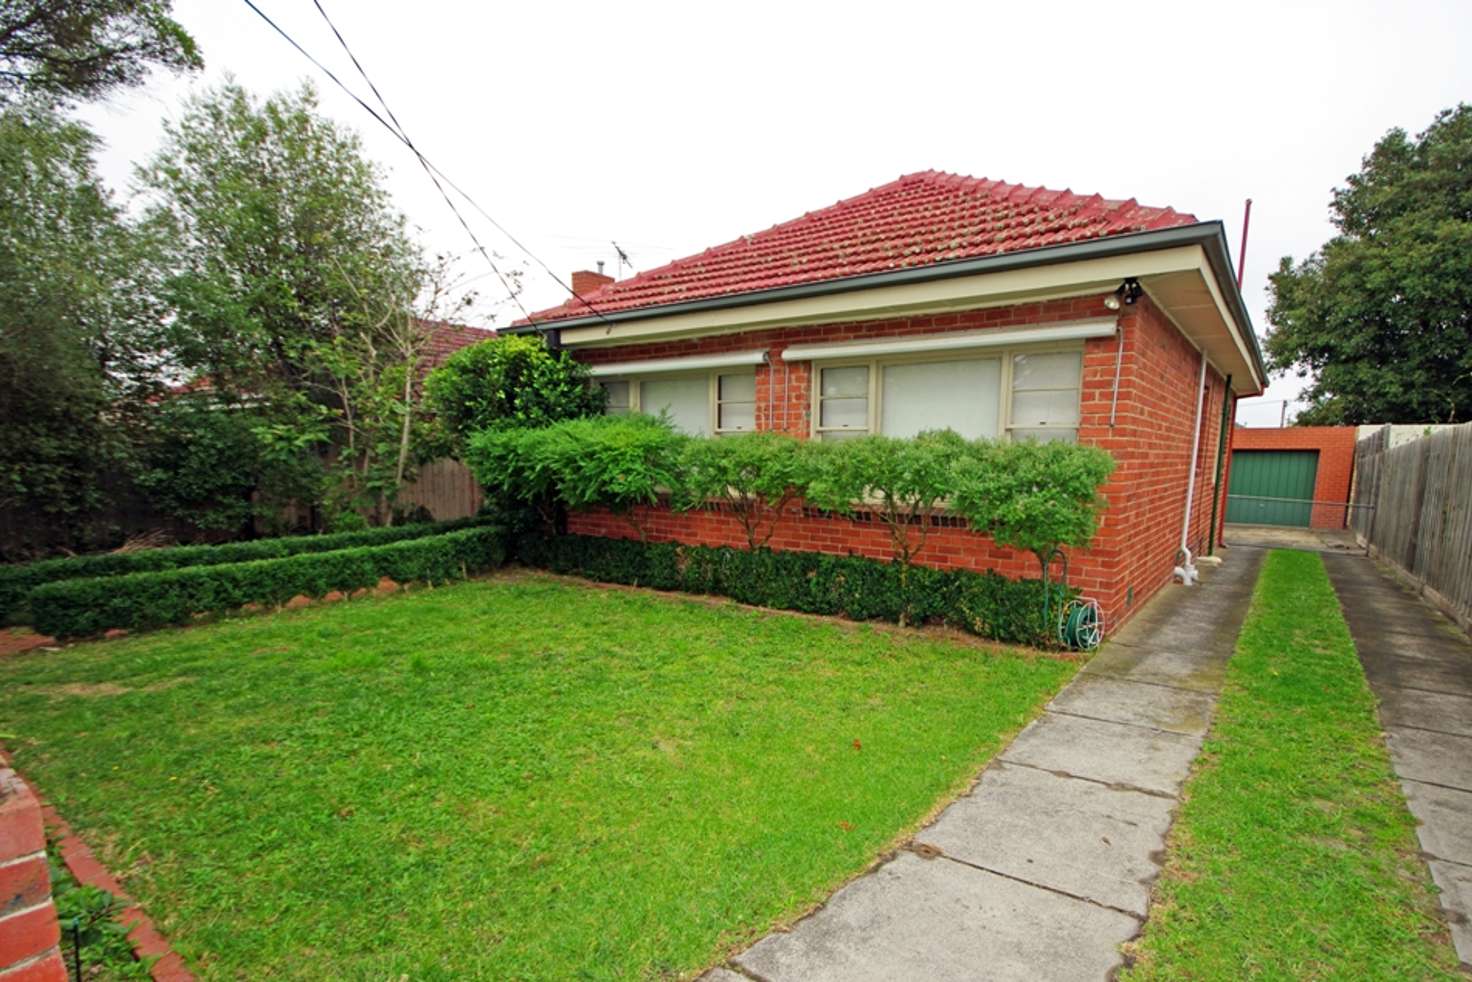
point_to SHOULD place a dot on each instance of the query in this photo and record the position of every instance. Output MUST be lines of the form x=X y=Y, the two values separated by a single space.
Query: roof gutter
x=1211 y=236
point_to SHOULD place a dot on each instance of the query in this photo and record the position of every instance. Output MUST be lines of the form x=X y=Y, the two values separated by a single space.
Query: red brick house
x=935 y=301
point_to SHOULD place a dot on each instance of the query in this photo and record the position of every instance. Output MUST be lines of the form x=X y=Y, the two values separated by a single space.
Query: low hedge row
x=17 y=582
x=76 y=608
x=986 y=604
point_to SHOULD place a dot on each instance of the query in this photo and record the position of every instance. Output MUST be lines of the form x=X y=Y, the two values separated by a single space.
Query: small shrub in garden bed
x=73 y=608
x=986 y=604
x=17 y=582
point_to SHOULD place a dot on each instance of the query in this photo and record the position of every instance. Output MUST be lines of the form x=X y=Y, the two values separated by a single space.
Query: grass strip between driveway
x=506 y=778
x=1294 y=855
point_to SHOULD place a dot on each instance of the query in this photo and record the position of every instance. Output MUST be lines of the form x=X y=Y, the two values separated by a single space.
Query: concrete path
x=1044 y=868
x=1420 y=669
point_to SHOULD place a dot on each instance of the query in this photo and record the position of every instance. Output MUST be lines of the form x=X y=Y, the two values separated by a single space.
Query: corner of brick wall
x=29 y=931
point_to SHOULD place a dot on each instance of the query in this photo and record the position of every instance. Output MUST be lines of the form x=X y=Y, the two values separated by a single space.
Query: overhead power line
x=436 y=175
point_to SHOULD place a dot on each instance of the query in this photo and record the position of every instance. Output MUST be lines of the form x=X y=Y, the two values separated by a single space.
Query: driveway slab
x=1436 y=758
x=1428 y=730
x=1185 y=668
x=940 y=920
x=1106 y=852
x=1120 y=701
x=1110 y=753
x=1445 y=831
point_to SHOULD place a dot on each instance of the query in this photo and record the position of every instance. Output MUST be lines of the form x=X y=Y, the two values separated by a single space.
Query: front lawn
x=508 y=778
x=1294 y=855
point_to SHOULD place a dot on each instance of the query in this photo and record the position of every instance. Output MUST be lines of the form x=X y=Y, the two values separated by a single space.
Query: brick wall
x=1134 y=552
x=29 y=932
x=1335 y=474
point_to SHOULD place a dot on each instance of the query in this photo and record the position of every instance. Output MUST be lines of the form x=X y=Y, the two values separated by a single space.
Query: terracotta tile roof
x=445 y=339
x=919 y=220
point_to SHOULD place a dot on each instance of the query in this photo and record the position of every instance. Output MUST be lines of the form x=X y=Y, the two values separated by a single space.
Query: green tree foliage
x=615 y=462
x=1381 y=315
x=292 y=279
x=201 y=460
x=509 y=381
x=79 y=336
x=757 y=475
x=82 y=49
x=1030 y=495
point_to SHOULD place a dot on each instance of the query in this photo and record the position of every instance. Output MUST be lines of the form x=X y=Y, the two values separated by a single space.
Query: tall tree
x=1381 y=315
x=294 y=283
x=81 y=49
x=79 y=336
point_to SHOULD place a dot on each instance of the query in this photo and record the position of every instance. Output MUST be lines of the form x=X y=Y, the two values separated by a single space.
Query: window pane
x=687 y=400
x=850 y=413
x=852 y=381
x=618 y=396
x=1044 y=436
x=738 y=388
x=1052 y=370
x=959 y=395
x=1045 y=406
x=737 y=416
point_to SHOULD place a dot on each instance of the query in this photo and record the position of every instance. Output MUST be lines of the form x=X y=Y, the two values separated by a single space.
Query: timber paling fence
x=1420 y=519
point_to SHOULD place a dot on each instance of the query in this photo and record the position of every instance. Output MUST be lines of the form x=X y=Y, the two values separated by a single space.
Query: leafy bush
x=1034 y=496
x=509 y=381
x=17 y=582
x=74 y=608
x=757 y=475
x=616 y=462
x=985 y=604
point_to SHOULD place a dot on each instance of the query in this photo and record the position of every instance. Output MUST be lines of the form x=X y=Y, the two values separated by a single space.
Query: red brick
x=21 y=832
x=28 y=933
x=50 y=968
x=23 y=884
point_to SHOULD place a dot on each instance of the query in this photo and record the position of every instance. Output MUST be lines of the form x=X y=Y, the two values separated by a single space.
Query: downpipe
x=1186 y=572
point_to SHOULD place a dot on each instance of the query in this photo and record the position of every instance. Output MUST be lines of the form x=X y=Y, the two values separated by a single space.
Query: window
x=735 y=403
x=1028 y=395
x=1045 y=390
x=618 y=396
x=703 y=404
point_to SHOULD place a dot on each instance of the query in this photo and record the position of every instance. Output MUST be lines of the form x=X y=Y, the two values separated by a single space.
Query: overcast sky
x=670 y=128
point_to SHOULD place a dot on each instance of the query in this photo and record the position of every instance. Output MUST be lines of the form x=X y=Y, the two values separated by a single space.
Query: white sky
x=674 y=127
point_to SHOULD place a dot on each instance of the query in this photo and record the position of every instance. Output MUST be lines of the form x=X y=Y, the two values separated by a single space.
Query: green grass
x=510 y=778
x=1293 y=855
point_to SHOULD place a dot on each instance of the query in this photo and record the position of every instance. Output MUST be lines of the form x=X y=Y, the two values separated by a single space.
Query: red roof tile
x=445 y=339
x=919 y=220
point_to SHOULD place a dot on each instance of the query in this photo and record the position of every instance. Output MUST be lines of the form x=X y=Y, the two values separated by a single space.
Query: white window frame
x=713 y=393
x=877 y=363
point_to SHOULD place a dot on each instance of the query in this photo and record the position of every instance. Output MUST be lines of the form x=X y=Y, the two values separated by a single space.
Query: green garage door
x=1272 y=487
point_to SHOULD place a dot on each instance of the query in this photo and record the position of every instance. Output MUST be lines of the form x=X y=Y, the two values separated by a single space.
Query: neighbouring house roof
x=918 y=220
x=445 y=339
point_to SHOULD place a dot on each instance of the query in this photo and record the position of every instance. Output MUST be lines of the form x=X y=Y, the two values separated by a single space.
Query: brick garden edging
x=84 y=865
x=29 y=931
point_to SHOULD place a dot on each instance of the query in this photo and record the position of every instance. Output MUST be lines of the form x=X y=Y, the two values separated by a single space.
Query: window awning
x=665 y=366
x=953 y=341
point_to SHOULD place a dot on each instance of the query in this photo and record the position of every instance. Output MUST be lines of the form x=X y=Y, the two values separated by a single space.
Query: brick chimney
x=585 y=281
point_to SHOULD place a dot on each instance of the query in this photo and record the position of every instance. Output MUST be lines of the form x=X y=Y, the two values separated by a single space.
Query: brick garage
x=977 y=271
x=1335 y=469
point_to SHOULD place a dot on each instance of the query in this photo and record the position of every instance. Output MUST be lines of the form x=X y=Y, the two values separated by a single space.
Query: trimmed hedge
x=17 y=582
x=986 y=604
x=76 y=608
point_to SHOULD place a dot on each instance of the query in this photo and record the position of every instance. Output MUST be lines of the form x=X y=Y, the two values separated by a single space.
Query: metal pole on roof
x=1242 y=250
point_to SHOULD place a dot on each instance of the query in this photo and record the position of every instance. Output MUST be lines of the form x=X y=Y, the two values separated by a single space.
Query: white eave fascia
x=664 y=366
x=954 y=341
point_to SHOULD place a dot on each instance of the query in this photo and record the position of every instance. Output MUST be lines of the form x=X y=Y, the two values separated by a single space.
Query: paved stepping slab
x=1106 y=851
x=940 y=920
x=1120 y=701
x=1200 y=671
x=1455 y=883
x=1111 y=753
x=1436 y=758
